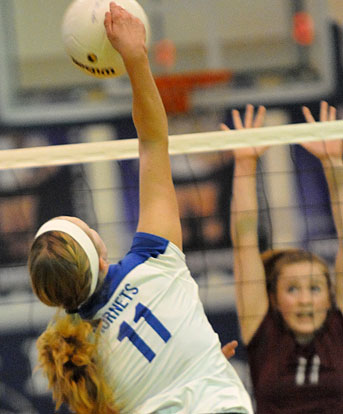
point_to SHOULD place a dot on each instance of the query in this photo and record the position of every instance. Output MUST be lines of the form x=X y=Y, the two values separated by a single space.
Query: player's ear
x=103 y=265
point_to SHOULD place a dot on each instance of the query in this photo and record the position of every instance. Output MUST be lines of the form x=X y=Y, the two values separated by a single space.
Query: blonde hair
x=67 y=350
x=67 y=354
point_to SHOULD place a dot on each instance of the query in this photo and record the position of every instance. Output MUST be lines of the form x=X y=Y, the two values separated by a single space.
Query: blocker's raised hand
x=332 y=150
x=250 y=121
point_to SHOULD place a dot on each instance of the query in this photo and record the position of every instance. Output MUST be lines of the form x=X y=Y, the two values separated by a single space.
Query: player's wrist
x=245 y=165
x=136 y=57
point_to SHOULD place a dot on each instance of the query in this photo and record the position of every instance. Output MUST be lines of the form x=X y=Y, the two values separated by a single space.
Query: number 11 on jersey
x=126 y=331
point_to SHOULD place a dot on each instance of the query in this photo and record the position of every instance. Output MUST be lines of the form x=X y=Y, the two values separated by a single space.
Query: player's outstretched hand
x=250 y=121
x=125 y=32
x=327 y=151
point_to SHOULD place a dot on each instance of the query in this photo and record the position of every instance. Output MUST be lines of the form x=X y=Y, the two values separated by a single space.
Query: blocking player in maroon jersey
x=289 y=310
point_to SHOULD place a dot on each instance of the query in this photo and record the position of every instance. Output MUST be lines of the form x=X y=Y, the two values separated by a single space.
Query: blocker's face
x=302 y=297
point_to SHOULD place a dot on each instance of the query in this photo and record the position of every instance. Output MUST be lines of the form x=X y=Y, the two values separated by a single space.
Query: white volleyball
x=85 y=40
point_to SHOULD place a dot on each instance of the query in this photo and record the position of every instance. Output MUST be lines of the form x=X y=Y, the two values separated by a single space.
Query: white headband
x=80 y=237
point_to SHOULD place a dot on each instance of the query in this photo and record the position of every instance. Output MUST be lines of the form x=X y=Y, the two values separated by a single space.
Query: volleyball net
x=97 y=181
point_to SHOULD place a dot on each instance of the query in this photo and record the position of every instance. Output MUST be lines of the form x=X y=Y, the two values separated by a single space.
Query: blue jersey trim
x=144 y=246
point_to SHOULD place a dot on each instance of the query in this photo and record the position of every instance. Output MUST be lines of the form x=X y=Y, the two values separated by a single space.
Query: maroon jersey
x=289 y=378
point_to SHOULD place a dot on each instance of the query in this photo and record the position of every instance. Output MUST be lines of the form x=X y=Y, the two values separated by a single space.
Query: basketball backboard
x=254 y=39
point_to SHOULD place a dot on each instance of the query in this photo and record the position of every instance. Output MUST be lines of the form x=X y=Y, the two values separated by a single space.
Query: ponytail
x=67 y=354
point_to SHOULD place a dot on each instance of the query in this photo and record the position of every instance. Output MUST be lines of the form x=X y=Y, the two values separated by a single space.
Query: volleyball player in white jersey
x=136 y=338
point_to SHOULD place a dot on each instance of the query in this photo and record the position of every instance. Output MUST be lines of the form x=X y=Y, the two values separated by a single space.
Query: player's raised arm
x=330 y=154
x=158 y=213
x=251 y=293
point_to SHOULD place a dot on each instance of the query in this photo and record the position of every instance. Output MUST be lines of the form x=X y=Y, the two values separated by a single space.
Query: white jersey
x=160 y=353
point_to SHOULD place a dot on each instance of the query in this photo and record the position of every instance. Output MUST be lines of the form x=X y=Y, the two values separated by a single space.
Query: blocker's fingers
x=249 y=116
x=237 y=119
x=307 y=114
x=224 y=127
x=259 y=116
x=323 y=111
x=332 y=113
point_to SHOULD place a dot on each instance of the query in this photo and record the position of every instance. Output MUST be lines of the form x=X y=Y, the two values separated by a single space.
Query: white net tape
x=179 y=144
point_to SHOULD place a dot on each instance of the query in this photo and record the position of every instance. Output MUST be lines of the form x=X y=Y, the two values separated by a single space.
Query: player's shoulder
x=147 y=242
x=151 y=245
